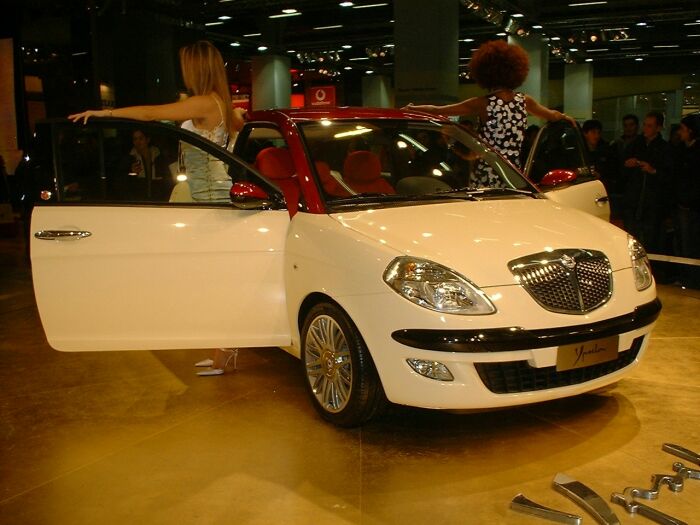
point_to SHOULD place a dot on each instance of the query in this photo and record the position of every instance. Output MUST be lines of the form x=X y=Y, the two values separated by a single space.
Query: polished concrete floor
x=136 y=437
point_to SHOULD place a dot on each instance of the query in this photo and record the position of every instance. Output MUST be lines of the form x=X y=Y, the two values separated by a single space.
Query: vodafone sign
x=320 y=96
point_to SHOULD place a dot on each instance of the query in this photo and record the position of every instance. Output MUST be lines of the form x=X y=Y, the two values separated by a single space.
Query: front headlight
x=436 y=287
x=640 y=264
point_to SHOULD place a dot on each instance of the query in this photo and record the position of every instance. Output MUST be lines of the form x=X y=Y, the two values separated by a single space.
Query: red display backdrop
x=320 y=96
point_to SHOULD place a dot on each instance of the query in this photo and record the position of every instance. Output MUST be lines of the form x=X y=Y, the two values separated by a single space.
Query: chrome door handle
x=61 y=235
x=601 y=200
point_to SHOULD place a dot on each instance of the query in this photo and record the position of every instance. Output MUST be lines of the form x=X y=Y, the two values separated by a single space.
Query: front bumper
x=497 y=365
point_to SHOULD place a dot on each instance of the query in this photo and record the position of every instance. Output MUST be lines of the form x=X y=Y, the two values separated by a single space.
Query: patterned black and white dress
x=504 y=130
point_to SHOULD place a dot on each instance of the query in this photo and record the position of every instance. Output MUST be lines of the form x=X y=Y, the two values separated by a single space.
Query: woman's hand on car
x=85 y=115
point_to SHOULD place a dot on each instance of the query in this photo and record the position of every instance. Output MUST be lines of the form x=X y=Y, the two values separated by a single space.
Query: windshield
x=359 y=159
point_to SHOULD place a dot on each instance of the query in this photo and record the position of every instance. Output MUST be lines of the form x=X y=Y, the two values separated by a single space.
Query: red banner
x=320 y=96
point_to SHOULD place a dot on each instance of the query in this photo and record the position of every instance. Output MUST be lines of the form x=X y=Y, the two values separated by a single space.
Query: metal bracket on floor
x=682 y=452
x=586 y=498
x=627 y=500
x=686 y=472
x=523 y=505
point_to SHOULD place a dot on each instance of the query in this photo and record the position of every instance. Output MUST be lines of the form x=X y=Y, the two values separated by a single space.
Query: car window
x=132 y=162
x=256 y=137
x=558 y=147
x=402 y=157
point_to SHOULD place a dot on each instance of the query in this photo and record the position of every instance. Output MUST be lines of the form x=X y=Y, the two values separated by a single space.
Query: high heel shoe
x=204 y=363
x=233 y=354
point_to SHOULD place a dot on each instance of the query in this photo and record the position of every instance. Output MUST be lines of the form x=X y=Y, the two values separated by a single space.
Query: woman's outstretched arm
x=189 y=108
x=471 y=106
x=535 y=108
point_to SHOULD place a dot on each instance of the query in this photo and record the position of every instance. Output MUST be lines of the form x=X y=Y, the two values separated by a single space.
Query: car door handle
x=602 y=200
x=61 y=235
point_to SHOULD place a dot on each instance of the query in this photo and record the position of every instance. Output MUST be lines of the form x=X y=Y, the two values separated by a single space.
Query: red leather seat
x=277 y=165
x=330 y=184
x=362 y=171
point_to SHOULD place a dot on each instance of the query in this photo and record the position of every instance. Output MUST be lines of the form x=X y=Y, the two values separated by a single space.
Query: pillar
x=376 y=91
x=537 y=82
x=426 y=51
x=674 y=108
x=272 y=82
x=578 y=91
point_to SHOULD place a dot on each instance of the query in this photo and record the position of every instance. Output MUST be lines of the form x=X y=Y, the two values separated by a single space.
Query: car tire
x=339 y=372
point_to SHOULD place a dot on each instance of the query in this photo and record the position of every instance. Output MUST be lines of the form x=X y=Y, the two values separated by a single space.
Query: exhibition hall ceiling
x=613 y=34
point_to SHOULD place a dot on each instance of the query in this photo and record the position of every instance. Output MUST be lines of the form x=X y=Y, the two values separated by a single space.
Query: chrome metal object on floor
x=628 y=502
x=681 y=452
x=686 y=472
x=523 y=505
x=586 y=498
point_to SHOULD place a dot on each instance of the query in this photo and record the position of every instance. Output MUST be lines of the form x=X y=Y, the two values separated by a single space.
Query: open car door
x=558 y=164
x=123 y=259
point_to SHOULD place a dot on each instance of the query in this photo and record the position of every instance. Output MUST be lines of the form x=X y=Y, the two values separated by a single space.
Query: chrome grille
x=565 y=281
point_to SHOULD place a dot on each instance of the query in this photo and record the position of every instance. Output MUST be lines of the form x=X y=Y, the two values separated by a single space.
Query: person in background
x=598 y=150
x=648 y=166
x=674 y=136
x=147 y=168
x=687 y=193
x=209 y=113
x=500 y=68
x=618 y=148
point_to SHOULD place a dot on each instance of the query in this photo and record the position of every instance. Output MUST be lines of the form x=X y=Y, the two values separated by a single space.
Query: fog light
x=431 y=369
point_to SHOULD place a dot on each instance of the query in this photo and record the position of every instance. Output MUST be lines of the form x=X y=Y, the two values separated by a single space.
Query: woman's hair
x=204 y=73
x=497 y=64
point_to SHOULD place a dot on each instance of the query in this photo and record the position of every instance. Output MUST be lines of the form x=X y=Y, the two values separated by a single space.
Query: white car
x=359 y=241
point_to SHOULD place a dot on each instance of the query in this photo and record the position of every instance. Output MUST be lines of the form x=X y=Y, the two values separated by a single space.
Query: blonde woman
x=207 y=112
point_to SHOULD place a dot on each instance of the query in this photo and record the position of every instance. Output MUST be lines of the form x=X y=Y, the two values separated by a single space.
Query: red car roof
x=340 y=113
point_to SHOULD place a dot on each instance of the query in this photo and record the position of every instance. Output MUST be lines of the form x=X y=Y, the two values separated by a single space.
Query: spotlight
x=594 y=37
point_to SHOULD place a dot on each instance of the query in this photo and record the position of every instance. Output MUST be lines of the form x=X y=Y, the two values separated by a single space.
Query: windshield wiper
x=489 y=191
x=395 y=197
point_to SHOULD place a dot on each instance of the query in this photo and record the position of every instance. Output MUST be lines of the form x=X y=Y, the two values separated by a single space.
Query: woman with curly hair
x=501 y=68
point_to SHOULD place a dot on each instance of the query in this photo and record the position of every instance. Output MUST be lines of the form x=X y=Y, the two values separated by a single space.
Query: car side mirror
x=557 y=177
x=250 y=196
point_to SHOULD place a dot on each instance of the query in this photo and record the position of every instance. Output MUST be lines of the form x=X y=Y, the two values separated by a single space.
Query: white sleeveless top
x=206 y=175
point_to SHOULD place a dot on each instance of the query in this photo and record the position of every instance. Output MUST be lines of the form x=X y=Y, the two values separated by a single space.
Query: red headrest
x=275 y=163
x=362 y=166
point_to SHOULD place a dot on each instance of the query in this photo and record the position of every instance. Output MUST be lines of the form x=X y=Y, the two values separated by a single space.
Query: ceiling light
x=224 y=17
x=262 y=48
x=555 y=38
x=599 y=50
x=319 y=28
x=369 y=71
x=289 y=11
x=639 y=59
x=517 y=15
x=467 y=40
x=666 y=46
x=347 y=68
x=573 y=49
x=692 y=23
x=690 y=36
x=359 y=58
x=346 y=4
x=291 y=51
x=641 y=24
x=235 y=44
x=537 y=27
x=252 y=34
x=214 y=23
x=369 y=5
x=589 y=60
x=285 y=15
x=347 y=46
x=501 y=34
x=583 y=4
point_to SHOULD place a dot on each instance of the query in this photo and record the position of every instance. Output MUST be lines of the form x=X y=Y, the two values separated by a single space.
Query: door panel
x=153 y=277
x=560 y=146
x=589 y=197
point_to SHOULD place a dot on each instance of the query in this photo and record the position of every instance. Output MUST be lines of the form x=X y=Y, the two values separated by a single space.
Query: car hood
x=478 y=239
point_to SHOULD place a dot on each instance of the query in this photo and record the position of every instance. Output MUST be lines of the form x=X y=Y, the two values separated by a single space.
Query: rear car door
x=559 y=146
x=124 y=259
